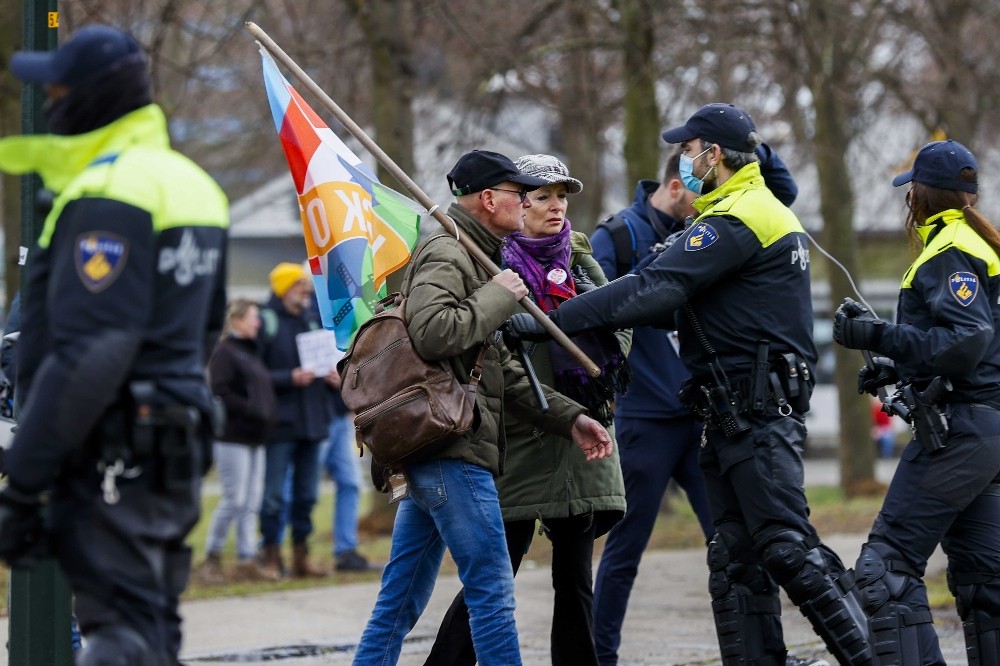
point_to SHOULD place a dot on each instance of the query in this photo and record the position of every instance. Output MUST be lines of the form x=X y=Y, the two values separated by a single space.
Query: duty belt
x=721 y=401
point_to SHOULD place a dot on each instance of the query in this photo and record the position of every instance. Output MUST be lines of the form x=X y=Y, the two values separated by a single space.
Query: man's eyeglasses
x=521 y=194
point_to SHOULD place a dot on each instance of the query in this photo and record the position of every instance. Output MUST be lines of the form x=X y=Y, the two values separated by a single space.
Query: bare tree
x=388 y=28
x=580 y=115
x=642 y=114
x=832 y=41
x=944 y=73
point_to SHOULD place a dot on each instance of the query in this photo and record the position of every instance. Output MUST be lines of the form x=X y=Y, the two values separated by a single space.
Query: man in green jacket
x=454 y=305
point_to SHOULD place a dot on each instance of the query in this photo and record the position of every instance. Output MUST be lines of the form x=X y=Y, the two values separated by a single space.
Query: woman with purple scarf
x=546 y=484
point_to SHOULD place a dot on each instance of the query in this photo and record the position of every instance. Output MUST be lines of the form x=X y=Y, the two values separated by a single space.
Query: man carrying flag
x=454 y=305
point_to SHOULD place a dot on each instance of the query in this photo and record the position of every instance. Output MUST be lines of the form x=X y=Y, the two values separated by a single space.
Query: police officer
x=125 y=288
x=738 y=281
x=946 y=355
x=658 y=437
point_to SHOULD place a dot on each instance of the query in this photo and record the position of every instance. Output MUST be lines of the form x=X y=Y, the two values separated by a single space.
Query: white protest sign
x=318 y=351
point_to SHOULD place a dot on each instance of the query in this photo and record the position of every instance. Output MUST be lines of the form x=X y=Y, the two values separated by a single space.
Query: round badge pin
x=557 y=275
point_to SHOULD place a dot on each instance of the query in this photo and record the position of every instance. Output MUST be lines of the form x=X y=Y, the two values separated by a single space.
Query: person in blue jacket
x=944 y=352
x=736 y=286
x=658 y=437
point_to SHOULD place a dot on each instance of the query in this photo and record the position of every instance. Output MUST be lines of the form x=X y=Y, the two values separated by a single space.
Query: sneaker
x=808 y=661
x=352 y=560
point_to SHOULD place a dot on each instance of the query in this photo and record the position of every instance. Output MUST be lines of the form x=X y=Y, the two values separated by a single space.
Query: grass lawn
x=675 y=528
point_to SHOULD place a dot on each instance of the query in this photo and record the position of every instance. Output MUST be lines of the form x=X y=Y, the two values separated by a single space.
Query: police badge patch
x=963 y=286
x=701 y=236
x=100 y=257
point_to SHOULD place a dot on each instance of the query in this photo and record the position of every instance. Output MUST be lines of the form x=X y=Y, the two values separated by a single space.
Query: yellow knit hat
x=284 y=275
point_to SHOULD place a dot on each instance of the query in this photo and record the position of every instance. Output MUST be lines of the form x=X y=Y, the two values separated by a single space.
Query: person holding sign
x=305 y=409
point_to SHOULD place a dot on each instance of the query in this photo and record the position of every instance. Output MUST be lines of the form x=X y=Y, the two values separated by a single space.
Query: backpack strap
x=477 y=368
x=408 y=277
x=269 y=319
x=623 y=237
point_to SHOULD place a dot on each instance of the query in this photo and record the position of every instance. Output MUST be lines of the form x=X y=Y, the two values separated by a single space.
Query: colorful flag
x=357 y=231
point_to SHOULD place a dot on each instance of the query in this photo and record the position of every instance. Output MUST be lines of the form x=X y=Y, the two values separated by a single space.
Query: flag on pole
x=357 y=231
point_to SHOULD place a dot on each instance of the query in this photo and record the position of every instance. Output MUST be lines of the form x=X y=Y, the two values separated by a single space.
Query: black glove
x=582 y=280
x=855 y=327
x=23 y=539
x=881 y=373
x=522 y=326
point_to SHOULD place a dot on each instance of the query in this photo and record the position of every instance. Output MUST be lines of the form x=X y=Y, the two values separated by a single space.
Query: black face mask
x=55 y=112
x=101 y=100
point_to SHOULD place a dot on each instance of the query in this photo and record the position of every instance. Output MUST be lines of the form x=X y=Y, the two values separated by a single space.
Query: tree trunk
x=642 y=116
x=579 y=118
x=857 y=455
x=386 y=26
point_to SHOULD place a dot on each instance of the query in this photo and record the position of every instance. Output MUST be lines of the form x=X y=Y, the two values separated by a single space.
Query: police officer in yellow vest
x=125 y=291
x=738 y=282
x=946 y=354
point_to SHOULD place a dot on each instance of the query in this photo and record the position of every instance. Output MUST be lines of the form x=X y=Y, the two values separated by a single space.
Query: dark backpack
x=626 y=252
x=406 y=408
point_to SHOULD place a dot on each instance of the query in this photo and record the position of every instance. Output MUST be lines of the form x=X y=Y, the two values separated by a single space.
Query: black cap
x=482 y=169
x=727 y=125
x=89 y=51
x=939 y=164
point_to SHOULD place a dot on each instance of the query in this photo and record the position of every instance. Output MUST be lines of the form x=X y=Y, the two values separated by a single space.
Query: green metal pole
x=39 y=625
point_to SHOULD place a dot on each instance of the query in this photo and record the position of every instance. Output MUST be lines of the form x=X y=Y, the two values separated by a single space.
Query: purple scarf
x=537 y=260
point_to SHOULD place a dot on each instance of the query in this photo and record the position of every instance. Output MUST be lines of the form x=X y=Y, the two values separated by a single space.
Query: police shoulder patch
x=701 y=236
x=963 y=286
x=100 y=257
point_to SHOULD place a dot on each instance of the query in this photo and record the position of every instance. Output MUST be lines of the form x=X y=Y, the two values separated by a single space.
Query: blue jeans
x=340 y=459
x=453 y=504
x=241 y=475
x=302 y=457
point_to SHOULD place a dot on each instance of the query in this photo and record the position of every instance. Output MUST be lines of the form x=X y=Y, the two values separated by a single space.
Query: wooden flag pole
x=447 y=223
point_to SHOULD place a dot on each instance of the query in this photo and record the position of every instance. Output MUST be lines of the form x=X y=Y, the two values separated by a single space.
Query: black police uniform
x=739 y=276
x=125 y=289
x=947 y=318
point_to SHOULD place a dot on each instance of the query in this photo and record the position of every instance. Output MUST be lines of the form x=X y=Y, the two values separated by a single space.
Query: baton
x=536 y=386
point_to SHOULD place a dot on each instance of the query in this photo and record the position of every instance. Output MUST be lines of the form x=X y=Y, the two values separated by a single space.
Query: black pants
x=948 y=497
x=127 y=563
x=572 y=577
x=652 y=452
x=756 y=487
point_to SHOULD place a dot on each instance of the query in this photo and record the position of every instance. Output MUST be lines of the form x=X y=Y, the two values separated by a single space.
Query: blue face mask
x=686 y=170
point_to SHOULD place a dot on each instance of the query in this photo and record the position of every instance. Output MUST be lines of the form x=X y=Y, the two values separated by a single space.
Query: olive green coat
x=452 y=307
x=544 y=478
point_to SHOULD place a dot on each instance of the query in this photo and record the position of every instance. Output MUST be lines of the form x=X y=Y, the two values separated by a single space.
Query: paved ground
x=668 y=623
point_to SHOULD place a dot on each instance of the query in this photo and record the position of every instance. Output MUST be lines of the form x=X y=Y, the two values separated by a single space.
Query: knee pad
x=976 y=597
x=746 y=607
x=116 y=645
x=816 y=582
x=882 y=577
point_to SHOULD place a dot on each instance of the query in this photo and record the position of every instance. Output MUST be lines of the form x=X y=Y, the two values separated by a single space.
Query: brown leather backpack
x=406 y=408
